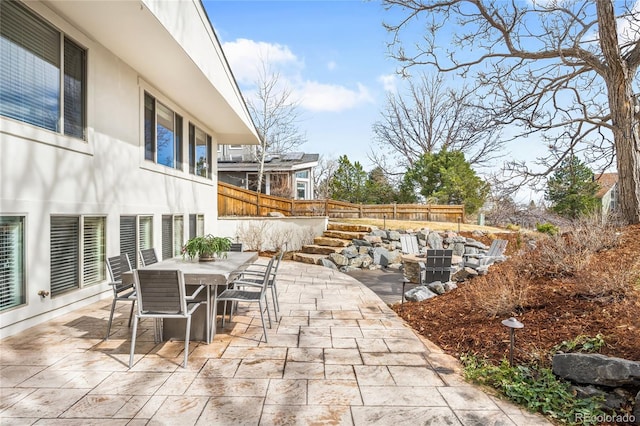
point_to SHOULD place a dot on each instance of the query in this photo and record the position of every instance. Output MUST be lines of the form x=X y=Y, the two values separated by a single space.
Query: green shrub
x=581 y=343
x=537 y=389
x=547 y=228
x=513 y=227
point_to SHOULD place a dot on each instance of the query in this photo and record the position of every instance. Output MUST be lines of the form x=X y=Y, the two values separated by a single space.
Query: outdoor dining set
x=182 y=296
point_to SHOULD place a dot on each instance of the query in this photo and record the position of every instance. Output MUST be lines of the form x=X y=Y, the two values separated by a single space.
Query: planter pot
x=206 y=258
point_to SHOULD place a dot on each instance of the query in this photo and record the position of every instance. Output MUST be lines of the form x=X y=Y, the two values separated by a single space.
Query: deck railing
x=236 y=201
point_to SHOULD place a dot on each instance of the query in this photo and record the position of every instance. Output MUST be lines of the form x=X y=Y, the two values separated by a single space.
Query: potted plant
x=207 y=248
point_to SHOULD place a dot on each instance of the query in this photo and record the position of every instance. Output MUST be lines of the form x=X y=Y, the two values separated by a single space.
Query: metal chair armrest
x=195 y=293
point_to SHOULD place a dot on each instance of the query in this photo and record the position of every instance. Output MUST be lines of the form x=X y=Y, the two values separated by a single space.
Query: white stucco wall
x=43 y=173
x=271 y=232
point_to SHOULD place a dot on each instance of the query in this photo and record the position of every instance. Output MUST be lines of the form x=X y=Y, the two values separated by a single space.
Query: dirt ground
x=555 y=312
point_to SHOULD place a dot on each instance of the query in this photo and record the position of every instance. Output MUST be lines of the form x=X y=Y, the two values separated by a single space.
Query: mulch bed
x=554 y=313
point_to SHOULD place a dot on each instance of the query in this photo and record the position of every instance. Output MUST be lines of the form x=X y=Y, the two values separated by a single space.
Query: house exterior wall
x=43 y=174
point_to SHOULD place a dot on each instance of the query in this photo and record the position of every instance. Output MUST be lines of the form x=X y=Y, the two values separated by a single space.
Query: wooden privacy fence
x=236 y=201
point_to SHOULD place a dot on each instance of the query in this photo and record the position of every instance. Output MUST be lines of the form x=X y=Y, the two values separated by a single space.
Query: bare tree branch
x=565 y=72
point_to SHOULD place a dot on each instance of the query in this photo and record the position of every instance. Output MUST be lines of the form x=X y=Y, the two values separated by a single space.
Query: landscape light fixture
x=512 y=323
x=384 y=221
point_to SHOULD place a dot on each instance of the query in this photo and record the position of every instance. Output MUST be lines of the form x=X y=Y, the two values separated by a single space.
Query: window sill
x=178 y=174
x=47 y=137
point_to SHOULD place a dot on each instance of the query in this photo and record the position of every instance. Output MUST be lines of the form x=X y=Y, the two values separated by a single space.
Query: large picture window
x=11 y=262
x=34 y=56
x=72 y=236
x=162 y=134
x=199 y=152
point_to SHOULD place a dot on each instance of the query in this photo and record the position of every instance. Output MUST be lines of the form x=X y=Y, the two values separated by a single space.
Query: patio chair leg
x=133 y=340
x=214 y=316
x=264 y=327
x=133 y=305
x=186 y=342
x=268 y=311
x=274 y=299
x=113 y=308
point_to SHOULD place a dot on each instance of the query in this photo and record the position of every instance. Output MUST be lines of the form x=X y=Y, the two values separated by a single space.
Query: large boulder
x=339 y=259
x=328 y=264
x=394 y=235
x=434 y=240
x=380 y=256
x=418 y=294
x=596 y=369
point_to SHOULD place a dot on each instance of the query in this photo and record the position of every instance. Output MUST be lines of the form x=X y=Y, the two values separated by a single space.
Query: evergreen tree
x=348 y=182
x=378 y=189
x=444 y=178
x=572 y=189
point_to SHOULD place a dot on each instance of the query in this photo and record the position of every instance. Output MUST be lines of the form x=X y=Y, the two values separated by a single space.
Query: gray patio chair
x=148 y=256
x=494 y=254
x=236 y=247
x=162 y=294
x=255 y=273
x=240 y=294
x=436 y=267
x=116 y=265
x=409 y=244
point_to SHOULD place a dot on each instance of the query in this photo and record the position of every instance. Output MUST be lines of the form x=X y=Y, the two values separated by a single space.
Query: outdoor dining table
x=216 y=274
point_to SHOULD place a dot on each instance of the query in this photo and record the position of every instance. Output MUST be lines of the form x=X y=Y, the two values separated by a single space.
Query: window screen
x=11 y=262
x=65 y=235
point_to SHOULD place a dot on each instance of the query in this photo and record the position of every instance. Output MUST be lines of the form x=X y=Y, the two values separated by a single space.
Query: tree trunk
x=628 y=159
x=624 y=119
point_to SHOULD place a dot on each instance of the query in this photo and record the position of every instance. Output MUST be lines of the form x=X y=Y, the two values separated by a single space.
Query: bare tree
x=276 y=115
x=564 y=70
x=428 y=118
x=322 y=174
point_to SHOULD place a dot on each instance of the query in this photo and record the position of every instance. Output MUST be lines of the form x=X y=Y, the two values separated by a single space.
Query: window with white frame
x=196 y=225
x=162 y=134
x=136 y=233
x=42 y=73
x=77 y=252
x=199 y=152
x=302 y=184
x=172 y=235
x=12 y=282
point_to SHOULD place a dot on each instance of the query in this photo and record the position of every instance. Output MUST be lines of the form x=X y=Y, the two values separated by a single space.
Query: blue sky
x=331 y=54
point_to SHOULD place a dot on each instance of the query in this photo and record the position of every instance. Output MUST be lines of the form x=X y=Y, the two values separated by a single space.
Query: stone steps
x=320 y=249
x=345 y=235
x=348 y=227
x=313 y=259
x=331 y=242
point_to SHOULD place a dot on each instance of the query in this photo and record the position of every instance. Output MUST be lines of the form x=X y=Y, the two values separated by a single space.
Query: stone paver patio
x=338 y=355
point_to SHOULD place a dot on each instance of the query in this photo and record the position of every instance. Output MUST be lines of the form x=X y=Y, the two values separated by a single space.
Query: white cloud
x=246 y=58
x=316 y=96
x=389 y=82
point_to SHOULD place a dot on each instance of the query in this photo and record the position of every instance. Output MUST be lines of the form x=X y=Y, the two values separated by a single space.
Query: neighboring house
x=288 y=175
x=608 y=193
x=110 y=112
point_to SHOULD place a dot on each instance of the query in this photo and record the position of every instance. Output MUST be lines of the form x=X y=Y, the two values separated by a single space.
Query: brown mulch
x=555 y=311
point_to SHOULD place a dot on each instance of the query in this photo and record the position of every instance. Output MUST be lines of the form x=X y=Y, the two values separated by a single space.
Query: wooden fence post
x=326 y=207
x=395 y=210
